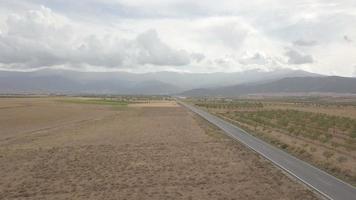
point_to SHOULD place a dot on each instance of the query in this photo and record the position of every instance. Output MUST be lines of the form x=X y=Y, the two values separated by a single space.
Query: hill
x=329 y=84
x=70 y=82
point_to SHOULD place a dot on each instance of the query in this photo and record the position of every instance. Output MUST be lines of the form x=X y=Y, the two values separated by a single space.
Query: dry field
x=155 y=104
x=343 y=111
x=54 y=149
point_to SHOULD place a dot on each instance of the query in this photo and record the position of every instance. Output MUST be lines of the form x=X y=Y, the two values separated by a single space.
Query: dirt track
x=128 y=153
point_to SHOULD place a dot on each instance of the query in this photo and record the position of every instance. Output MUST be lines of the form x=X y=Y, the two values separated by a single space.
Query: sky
x=179 y=35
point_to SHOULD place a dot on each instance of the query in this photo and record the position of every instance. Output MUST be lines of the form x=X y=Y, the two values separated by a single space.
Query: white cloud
x=347 y=38
x=229 y=32
x=198 y=57
x=151 y=50
x=179 y=34
x=41 y=38
x=297 y=58
x=257 y=58
x=302 y=42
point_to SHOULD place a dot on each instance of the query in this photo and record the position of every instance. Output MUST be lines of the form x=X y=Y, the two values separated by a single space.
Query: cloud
x=257 y=59
x=302 y=42
x=297 y=58
x=41 y=38
x=178 y=35
x=36 y=38
x=225 y=61
x=151 y=50
x=40 y=24
x=198 y=57
x=347 y=38
x=229 y=32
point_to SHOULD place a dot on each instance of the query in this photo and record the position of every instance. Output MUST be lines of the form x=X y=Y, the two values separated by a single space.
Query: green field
x=109 y=102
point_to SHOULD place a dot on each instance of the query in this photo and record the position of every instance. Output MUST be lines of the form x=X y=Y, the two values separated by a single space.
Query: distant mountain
x=74 y=83
x=152 y=87
x=327 y=84
x=218 y=79
x=69 y=82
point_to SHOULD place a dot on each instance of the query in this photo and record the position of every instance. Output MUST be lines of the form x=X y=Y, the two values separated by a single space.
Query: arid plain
x=52 y=148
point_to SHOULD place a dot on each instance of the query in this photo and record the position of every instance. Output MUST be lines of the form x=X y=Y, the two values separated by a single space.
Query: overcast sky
x=179 y=35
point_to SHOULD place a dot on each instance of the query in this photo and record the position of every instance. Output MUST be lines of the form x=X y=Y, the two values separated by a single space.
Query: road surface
x=324 y=183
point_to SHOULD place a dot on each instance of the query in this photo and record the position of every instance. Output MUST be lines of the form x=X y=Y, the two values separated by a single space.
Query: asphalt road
x=324 y=183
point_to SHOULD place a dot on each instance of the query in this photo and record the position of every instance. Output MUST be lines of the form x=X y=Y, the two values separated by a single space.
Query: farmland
x=321 y=132
x=126 y=148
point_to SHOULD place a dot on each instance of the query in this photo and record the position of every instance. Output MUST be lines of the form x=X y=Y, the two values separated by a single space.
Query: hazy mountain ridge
x=67 y=81
x=58 y=84
x=328 y=84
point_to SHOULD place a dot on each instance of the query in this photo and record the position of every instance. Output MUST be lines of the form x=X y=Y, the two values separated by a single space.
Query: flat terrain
x=321 y=133
x=326 y=184
x=52 y=149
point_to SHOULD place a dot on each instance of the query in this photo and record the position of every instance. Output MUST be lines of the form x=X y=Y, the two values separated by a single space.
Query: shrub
x=312 y=149
x=334 y=144
x=353 y=134
x=341 y=159
x=284 y=146
x=328 y=154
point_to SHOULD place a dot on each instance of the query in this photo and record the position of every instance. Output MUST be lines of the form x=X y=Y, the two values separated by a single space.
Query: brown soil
x=54 y=150
x=155 y=104
x=343 y=111
x=342 y=162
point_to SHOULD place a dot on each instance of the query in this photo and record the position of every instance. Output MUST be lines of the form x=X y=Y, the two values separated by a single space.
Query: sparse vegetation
x=341 y=159
x=56 y=150
x=307 y=128
x=328 y=154
x=101 y=101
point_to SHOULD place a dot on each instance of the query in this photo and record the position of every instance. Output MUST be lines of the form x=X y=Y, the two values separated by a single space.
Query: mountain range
x=289 y=85
x=173 y=83
x=75 y=82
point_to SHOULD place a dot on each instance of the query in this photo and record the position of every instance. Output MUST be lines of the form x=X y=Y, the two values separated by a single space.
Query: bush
x=353 y=134
x=341 y=159
x=284 y=146
x=312 y=149
x=328 y=154
x=334 y=144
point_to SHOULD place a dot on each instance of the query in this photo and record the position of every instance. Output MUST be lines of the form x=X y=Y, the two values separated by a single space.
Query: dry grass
x=80 y=151
x=155 y=104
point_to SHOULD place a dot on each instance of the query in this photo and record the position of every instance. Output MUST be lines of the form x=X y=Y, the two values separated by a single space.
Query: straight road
x=324 y=183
